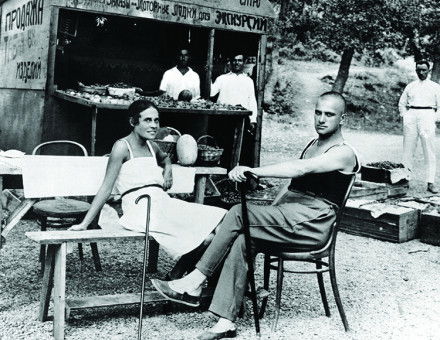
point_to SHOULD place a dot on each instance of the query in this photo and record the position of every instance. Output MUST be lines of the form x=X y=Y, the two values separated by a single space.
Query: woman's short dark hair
x=135 y=109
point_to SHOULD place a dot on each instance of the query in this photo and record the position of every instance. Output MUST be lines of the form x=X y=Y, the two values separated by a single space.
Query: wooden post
x=1 y=205
x=199 y=188
x=261 y=66
x=59 y=292
x=47 y=283
x=53 y=28
x=93 y=130
x=237 y=142
x=209 y=64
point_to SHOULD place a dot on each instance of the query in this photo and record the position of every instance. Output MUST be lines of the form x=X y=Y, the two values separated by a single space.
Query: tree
x=419 y=22
x=347 y=26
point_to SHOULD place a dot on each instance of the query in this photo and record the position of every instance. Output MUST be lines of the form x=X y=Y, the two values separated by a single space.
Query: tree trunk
x=344 y=69
x=272 y=71
x=435 y=75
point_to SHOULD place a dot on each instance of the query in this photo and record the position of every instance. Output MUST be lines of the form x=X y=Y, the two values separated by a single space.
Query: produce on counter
x=98 y=89
x=160 y=101
x=121 y=85
x=386 y=165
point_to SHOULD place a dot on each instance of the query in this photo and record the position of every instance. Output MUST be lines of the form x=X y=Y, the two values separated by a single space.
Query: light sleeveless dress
x=178 y=226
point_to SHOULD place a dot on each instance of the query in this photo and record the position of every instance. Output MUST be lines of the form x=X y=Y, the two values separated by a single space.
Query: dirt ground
x=389 y=291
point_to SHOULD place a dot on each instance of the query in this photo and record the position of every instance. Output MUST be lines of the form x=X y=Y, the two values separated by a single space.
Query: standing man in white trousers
x=418 y=106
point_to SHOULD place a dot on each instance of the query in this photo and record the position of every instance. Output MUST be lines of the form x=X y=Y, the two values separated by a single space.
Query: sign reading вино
x=241 y=15
x=24 y=41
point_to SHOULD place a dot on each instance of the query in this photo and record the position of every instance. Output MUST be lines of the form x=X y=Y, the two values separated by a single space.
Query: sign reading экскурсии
x=241 y=15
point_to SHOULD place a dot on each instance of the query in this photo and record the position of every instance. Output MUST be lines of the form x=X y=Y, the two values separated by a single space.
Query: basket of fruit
x=208 y=154
x=94 y=89
x=166 y=138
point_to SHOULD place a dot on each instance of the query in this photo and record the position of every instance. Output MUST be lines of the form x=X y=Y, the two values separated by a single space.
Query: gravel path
x=390 y=291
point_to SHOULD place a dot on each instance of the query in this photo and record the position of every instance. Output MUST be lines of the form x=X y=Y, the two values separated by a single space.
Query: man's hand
x=252 y=128
x=237 y=174
x=167 y=179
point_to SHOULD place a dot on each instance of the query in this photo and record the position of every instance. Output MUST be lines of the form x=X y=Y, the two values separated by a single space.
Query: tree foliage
x=349 y=26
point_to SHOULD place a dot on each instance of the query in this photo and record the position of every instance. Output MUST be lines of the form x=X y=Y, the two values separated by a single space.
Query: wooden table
x=12 y=167
x=95 y=107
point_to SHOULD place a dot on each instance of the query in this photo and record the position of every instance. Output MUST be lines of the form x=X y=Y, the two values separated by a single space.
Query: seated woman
x=138 y=166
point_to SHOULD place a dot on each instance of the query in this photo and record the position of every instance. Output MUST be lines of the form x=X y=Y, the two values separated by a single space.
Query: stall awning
x=237 y=15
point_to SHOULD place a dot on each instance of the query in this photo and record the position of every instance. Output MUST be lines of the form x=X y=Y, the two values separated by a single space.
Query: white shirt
x=420 y=93
x=236 y=89
x=173 y=82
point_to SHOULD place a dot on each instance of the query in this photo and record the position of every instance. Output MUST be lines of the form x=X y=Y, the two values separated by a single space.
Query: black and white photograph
x=219 y=169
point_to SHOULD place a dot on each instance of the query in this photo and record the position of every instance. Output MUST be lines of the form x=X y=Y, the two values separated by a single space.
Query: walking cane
x=247 y=239
x=144 y=269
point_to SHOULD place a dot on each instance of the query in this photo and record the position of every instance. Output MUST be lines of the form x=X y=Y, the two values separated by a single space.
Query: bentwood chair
x=324 y=260
x=59 y=211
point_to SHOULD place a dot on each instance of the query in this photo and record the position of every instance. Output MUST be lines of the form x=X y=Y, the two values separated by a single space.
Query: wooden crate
x=430 y=228
x=373 y=174
x=397 y=190
x=378 y=175
x=369 y=190
x=399 y=226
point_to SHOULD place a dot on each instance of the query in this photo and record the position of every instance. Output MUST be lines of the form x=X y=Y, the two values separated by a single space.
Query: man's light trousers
x=420 y=123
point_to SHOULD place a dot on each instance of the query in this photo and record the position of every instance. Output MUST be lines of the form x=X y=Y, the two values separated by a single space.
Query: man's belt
x=421 y=107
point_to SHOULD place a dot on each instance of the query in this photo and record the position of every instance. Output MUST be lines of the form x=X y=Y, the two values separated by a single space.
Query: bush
x=373 y=99
x=381 y=57
x=314 y=50
x=283 y=97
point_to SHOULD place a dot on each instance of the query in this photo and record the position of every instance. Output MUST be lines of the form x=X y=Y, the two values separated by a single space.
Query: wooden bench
x=54 y=276
x=80 y=177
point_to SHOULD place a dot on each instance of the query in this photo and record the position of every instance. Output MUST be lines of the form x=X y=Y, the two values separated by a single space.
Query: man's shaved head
x=336 y=95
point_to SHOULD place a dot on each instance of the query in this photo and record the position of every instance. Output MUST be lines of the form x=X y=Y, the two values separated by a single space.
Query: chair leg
x=280 y=274
x=322 y=290
x=337 y=296
x=80 y=252
x=95 y=255
x=153 y=256
x=266 y=277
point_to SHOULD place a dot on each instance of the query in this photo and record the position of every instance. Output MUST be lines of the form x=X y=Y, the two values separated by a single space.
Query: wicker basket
x=168 y=146
x=208 y=155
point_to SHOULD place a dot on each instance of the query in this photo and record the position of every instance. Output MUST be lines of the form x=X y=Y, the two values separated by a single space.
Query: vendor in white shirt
x=236 y=87
x=418 y=106
x=181 y=77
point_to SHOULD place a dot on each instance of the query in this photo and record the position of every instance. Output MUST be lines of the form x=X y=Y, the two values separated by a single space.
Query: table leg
x=46 y=289
x=238 y=141
x=199 y=188
x=59 y=292
x=93 y=131
x=1 y=212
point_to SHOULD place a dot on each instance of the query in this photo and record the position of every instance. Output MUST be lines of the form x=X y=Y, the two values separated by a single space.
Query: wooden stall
x=47 y=46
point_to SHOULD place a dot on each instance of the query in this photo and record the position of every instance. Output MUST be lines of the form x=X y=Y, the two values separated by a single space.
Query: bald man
x=302 y=218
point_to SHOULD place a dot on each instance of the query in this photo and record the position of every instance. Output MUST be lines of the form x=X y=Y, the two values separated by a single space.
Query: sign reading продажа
x=24 y=41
